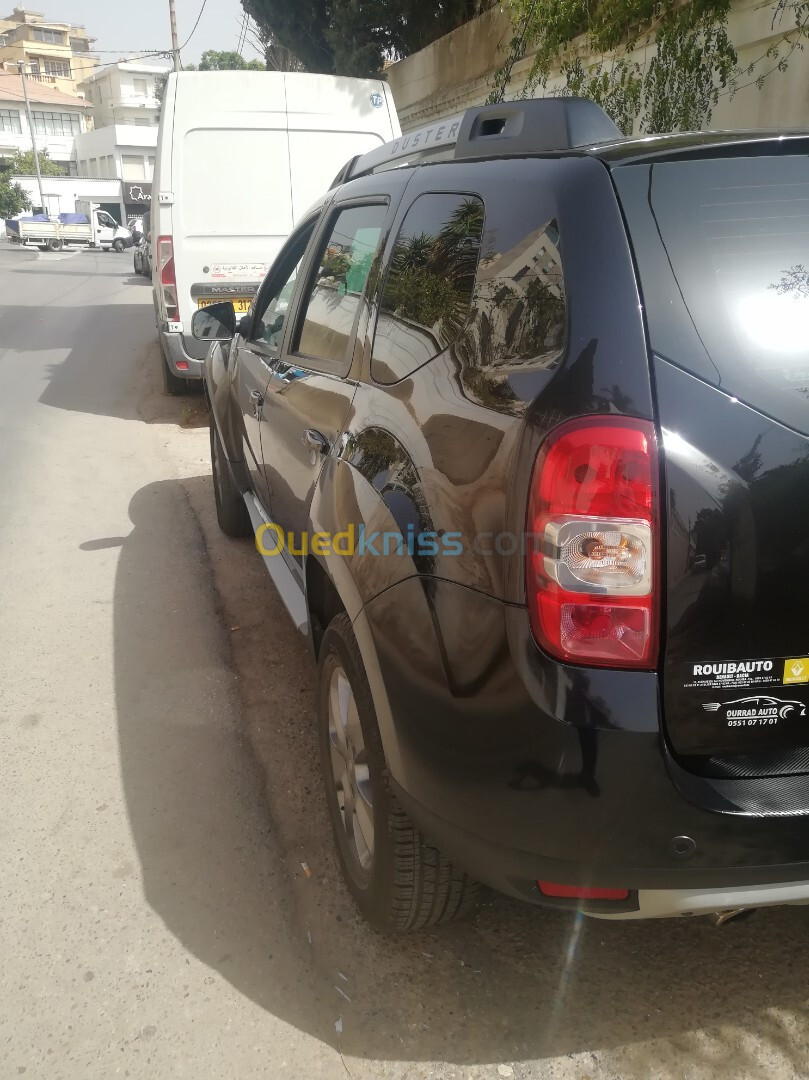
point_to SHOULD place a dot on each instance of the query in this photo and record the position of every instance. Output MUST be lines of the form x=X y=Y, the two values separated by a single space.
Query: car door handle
x=315 y=442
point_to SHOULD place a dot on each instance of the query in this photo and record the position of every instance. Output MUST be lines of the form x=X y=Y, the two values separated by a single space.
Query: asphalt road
x=169 y=903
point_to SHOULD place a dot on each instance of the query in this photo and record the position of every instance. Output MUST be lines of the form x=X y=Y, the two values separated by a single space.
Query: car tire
x=398 y=879
x=54 y=244
x=172 y=384
x=231 y=512
x=135 y=265
x=118 y=246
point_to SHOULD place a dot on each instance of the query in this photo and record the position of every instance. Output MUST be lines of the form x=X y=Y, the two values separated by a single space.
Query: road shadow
x=194 y=794
x=215 y=803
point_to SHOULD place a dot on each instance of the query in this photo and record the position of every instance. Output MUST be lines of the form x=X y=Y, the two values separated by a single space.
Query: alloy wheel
x=350 y=771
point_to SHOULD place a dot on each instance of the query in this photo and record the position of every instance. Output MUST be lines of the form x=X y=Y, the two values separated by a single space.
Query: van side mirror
x=216 y=322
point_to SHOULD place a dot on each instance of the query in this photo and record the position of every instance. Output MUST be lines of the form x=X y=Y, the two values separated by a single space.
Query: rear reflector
x=591 y=567
x=580 y=892
x=182 y=365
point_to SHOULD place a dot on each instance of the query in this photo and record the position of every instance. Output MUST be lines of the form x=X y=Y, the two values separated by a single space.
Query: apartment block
x=55 y=54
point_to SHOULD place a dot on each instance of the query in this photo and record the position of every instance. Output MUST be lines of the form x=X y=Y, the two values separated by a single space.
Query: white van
x=241 y=155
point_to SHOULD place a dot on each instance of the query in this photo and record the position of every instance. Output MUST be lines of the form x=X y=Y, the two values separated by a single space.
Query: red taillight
x=591 y=563
x=168 y=282
x=580 y=892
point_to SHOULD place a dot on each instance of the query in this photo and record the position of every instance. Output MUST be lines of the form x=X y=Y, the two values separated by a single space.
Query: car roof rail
x=532 y=126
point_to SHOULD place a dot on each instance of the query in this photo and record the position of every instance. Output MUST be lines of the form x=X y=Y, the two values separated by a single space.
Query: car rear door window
x=329 y=311
x=429 y=284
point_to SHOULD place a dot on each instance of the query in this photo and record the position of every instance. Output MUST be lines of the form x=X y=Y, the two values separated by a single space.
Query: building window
x=53 y=37
x=72 y=168
x=56 y=123
x=82 y=168
x=111 y=164
x=133 y=167
x=33 y=65
x=93 y=166
x=140 y=87
x=10 y=121
x=78 y=44
x=61 y=68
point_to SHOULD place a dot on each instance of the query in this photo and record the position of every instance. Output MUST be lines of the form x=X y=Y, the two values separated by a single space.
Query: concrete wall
x=455 y=72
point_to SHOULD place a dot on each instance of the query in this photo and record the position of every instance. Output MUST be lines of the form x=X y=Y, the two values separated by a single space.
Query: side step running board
x=283 y=579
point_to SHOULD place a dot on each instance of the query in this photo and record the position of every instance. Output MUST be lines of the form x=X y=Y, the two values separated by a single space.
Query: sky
x=146 y=25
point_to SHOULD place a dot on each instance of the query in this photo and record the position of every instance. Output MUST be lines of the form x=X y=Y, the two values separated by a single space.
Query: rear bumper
x=522 y=769
x=669 y=903
x=176 y=351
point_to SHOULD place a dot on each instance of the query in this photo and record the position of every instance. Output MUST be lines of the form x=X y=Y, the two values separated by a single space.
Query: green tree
x=355 y=37
x=227 y=61
x=13 y=197
x=690 y=60
x=22 y=164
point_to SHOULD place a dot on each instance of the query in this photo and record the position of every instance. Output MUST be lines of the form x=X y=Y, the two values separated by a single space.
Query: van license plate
x=240 y=305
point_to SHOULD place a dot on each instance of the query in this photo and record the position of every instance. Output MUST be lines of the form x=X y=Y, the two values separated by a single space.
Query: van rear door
x=722 y=246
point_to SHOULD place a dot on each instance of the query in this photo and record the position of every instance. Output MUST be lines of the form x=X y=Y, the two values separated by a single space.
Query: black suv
x=520 y=421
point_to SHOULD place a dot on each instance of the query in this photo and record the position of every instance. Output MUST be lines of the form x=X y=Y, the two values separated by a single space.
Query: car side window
x=272 y=303
x=429 y=285
x=339 y=282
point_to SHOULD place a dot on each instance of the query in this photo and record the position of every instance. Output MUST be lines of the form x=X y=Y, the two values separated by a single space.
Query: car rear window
x=723 y=254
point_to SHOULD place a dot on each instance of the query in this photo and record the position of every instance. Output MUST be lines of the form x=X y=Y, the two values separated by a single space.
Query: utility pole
x=21 y=66
x=175 y=48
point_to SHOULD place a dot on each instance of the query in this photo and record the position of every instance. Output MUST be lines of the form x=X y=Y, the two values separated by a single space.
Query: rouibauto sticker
x=745 y=674
x=757 y=711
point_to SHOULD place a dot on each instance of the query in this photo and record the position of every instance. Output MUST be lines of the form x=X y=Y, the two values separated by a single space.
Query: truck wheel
x=54 y=244
x=397 y=878
x=118 y=245
x=172 y=383
x=231 y=512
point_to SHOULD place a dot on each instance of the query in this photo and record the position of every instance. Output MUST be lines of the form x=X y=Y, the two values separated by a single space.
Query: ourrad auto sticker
x=760 y=710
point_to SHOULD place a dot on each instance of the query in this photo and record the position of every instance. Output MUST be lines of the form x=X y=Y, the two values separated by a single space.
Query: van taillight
x=168 y=282
x=591 y=560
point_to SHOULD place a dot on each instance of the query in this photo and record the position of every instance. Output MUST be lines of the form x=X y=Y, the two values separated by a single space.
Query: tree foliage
x=22 y=164
x=212 y=60
x=13 y=197
x=691 y=61
x=355 y=37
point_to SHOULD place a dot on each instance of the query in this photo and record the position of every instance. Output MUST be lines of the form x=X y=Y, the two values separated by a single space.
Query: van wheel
x=54 y=244
x=172 y=384
x=231 y=512
x=118 y=245
x=397 y=878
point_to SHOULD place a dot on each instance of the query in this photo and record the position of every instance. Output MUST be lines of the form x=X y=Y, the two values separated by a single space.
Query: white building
x=58 y=118
x=61 y=192
x=122 y=143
